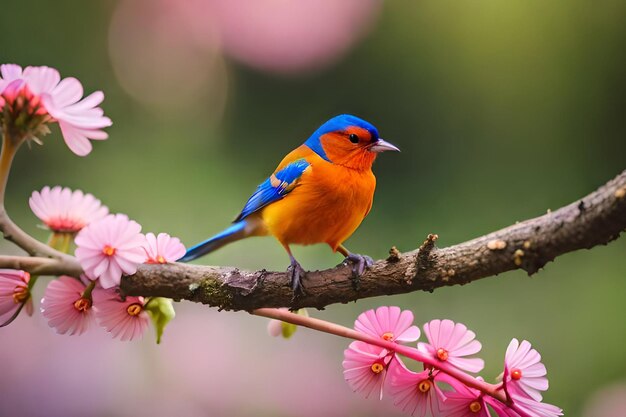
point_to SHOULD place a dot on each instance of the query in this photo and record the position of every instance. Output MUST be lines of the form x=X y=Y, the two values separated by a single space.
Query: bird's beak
x=382 y=146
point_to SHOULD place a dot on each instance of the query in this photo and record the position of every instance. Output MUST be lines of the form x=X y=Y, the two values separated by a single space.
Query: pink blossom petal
x=530 y=373
x=64 y=210
x=163 y=248
x=12 y=281
x=501 y=409
x=41 y=79
x=58 y=306
x=389 y=323
x=452 y=342
x=102 y=256
x=468 y=364
x=359 y=373
x=113 y=314
x=75 y=139
x=532 y=407
x=89 y=102
x=67 y=92
x=459 y=402
x=10 y=72
x=80 y=120
x=415 y=393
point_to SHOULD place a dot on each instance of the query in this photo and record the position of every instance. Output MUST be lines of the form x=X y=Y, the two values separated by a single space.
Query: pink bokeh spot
x=452 y=342
x=288 y=36
x=124 y=319
x=389 y=323
x=163 y=248
x=64 y=210
x=162 y=61
x=110 y=248
x=80 y=119
x=523 y=369
x=13 y=291
x=65 y=307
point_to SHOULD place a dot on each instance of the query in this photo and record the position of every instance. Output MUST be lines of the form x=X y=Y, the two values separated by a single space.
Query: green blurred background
x=502 y=111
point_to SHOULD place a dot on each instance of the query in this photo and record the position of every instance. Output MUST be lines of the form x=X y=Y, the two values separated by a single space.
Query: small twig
x=10 y=230
x=13 y=233
x=42 y=266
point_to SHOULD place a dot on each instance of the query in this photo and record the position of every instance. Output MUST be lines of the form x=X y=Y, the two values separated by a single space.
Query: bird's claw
x=297 y=273
x=359 y=264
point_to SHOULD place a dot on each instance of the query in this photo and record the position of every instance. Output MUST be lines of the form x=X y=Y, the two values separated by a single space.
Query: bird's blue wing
x=275 y=187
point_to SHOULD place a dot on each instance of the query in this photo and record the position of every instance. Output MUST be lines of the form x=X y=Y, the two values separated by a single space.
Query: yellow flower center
x=516 y=374
x=424 y=386
x=108 y=250
x=20 y=294
x=82 y=304
x=442 y=354
x=388 y=336
x=161 y=260
x=134 y=309
x=377 y=367
x=475 y=406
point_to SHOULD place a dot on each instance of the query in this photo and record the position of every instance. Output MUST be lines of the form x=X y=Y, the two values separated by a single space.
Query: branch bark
x=596 y=219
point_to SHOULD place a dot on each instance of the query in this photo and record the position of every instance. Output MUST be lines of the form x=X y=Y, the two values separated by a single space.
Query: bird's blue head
x=348 y=140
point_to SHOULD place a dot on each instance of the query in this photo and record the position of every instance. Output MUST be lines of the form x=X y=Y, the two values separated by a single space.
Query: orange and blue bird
x=319 y=193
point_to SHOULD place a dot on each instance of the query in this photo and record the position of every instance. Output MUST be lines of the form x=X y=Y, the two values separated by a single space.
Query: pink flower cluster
x=108 y=246
x=114 y=246
x=38 y=95
x=438 y=390
x=71 y=307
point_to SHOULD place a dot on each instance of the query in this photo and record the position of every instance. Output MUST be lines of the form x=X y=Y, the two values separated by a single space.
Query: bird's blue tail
x=235 y=232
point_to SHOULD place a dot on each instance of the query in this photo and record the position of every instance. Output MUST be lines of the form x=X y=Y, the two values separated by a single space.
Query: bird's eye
x=354 y=138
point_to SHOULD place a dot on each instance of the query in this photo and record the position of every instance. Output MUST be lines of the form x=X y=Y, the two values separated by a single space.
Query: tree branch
x=42 y=266
x=13 y=233
x=596 y=219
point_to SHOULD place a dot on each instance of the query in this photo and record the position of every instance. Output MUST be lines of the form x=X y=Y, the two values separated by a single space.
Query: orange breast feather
x=327 y=205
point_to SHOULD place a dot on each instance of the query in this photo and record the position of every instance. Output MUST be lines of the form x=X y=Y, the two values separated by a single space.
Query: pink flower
x=531 y=407
x=14 y=292
x=365 y=367
x=42 y=87
x=163 y=248
x=389 y=323
x=415 y=393
x=450 y=342
x=62 y=210
x=66 y=307
x=502 y=410
x=463 y=401
x=110 y=247
x=124 y=319
x=523 y=369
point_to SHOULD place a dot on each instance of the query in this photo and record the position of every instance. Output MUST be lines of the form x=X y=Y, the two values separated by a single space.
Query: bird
x=319 y=193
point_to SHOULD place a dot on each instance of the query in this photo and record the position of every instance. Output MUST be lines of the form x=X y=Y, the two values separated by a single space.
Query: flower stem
x=338 y=330
x=9 y=149
x=88 y=290
x=61 y=241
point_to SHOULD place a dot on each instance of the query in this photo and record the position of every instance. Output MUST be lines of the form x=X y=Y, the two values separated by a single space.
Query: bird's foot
x=359 y=264
x=297 y=273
